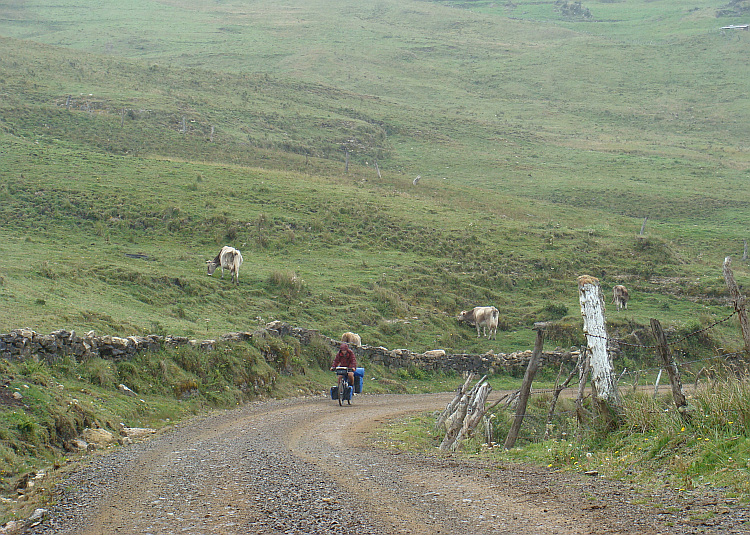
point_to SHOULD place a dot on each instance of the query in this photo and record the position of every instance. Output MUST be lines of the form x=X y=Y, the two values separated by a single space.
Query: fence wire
x=620 y=342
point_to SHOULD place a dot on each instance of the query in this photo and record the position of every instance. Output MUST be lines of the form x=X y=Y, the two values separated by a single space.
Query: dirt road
x=305 y=466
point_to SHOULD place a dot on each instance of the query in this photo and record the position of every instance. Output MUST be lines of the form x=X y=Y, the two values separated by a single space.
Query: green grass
x=653 y=446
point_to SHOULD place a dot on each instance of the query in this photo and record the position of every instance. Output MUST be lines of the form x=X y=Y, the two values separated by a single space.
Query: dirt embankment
x=305 y=466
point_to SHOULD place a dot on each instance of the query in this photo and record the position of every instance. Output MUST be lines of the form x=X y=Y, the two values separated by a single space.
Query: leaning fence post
x=739 y=301
x=671 y=366
x=528 y=378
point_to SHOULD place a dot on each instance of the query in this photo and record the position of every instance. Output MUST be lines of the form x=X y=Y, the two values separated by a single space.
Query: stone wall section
x=21 y=344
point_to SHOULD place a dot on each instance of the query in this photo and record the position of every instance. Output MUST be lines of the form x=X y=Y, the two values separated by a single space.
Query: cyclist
x=346 y=357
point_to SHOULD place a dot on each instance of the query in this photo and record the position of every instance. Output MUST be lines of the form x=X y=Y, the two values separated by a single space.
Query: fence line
x=671 y=343
x=634 y=372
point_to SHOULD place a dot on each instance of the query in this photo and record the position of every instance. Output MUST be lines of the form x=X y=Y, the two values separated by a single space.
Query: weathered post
x=528 y=378
x=671 y=366
x=739 y=301
x=607 y=399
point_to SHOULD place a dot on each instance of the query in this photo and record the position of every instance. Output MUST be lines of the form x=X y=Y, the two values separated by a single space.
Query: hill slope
x=541 y=146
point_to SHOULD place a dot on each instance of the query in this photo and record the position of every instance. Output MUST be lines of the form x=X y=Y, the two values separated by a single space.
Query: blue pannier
x=359 y=379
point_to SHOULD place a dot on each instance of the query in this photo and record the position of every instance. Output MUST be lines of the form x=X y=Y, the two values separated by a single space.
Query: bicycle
x=344 y=388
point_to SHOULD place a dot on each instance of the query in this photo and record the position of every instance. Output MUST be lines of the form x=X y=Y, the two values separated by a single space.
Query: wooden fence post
x=607 y=398
x=739 y=301
x=671 y=366
x=528 y=378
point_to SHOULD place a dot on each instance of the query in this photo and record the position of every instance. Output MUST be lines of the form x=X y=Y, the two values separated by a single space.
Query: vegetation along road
x=309 y=466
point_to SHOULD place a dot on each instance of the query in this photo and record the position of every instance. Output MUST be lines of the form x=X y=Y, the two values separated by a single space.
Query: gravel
x=306 y=466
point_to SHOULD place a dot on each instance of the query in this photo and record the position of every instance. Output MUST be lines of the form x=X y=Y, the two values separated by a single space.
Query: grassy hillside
x=133 y=149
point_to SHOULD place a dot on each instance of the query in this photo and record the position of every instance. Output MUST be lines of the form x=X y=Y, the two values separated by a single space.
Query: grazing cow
x=228 y=258
x=484 y=318
x=352 y=339
x=620 y=296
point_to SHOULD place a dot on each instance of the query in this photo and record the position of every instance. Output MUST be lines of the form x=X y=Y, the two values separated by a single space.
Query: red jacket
x=345 y=357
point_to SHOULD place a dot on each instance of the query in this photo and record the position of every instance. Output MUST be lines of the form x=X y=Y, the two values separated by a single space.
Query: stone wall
x=435 y=360
x=20 y=344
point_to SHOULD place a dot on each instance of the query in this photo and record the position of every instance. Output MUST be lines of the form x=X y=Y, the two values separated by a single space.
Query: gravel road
x=306 y=466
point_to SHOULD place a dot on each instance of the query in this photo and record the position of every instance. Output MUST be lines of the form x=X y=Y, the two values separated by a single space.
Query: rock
x=77 y=445
x=135 y=432
x=435 y=353
x=100 y=438
x=125 y=390
x=37 y=515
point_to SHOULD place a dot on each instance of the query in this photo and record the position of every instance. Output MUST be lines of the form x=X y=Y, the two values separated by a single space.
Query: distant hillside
x=133 y=149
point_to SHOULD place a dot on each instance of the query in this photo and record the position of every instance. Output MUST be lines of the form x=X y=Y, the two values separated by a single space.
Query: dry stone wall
x=435 y=360
x=20 y=344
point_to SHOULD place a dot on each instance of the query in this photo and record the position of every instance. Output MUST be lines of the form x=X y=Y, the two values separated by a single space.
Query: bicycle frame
x=343 y=382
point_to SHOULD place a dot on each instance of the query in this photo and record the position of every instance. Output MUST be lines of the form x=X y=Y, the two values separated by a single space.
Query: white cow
x=484 y=318
x=620 y=296
x=353 y=339
x=228 y=258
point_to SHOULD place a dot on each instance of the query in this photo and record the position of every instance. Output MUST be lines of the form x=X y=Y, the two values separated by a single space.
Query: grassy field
x=542 y=140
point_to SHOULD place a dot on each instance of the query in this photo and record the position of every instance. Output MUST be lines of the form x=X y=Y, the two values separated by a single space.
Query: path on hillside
x=306 y=466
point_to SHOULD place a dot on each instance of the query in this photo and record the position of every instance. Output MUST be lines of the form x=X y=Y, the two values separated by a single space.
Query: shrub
x=320 y=352
x=287 y=282
x=100 y=372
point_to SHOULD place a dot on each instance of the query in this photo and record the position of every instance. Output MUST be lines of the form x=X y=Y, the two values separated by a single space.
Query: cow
x=620 y=296
x=484 y=318
x=352 y=339
x=228 y=258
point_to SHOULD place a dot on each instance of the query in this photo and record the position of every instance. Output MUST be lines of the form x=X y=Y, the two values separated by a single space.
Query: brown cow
x=484 y=318
x=620 y=296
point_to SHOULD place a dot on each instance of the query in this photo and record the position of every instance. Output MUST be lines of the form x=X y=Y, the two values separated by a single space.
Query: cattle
x=228 y=258
x=484 y=318
x=620 y=296
x=352 y=339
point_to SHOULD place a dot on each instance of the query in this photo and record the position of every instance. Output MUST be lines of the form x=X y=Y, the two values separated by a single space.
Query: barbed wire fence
x=538 y=425
x=592 y=363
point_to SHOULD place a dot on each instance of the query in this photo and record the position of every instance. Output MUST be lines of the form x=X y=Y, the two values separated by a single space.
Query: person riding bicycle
x=345 y=357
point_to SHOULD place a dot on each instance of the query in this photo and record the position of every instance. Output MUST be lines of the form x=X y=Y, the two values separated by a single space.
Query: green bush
x=101 y=372
x=320 y=352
